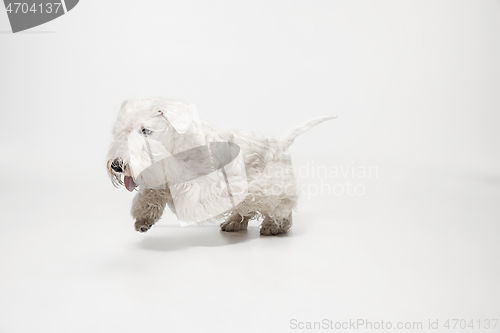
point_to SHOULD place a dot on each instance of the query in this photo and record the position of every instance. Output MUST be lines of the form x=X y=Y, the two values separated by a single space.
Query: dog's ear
x=180 y=116
x=123 y=104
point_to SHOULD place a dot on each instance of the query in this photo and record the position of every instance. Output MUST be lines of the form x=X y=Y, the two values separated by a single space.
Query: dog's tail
x=289 y=136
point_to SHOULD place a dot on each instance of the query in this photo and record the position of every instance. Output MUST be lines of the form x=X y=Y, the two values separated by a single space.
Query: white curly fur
x=156 y=128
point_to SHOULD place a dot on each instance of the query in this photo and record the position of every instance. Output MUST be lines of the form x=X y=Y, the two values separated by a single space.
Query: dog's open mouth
x=130 y=185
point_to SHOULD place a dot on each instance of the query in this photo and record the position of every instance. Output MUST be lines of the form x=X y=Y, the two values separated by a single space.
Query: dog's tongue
x=129 y=183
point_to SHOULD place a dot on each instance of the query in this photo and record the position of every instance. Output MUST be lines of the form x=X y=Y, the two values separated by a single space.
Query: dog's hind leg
x=278 y=220
x=148 y=206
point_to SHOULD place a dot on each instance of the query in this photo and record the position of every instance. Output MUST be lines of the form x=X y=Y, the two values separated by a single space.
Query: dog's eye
x=146 y=131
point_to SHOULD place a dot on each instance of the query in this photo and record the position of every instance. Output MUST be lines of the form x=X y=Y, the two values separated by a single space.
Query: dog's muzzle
x=119 y=168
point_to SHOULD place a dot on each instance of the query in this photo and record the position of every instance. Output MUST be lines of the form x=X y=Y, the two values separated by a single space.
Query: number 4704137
x=20 y=7
x=478 y=324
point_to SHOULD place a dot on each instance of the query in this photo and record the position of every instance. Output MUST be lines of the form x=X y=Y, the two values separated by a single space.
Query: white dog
x=202 y=172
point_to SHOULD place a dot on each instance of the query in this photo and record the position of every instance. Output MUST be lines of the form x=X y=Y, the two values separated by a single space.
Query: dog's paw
x=143 y=225
x=271 y=228
x=234 y=225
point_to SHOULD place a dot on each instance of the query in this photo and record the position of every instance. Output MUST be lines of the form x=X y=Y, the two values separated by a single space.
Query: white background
x=415 y=85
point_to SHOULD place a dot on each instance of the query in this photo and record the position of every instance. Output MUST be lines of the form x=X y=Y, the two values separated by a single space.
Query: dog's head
x=148 y=131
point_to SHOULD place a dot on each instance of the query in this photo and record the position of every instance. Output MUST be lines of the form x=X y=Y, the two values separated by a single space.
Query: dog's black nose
x=116 y=165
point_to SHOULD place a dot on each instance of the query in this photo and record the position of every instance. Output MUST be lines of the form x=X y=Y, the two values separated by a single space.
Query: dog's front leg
x=148 y=206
